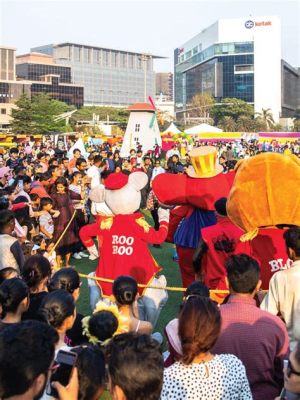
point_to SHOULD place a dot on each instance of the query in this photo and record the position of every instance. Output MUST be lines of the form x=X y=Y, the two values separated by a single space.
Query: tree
x=45 y=110
x=23 y=116
x=228 y=124
x=297 y=114
x=276 y=128
x=231 y=107
x=119 y=115
x=267 y=116
x=259 y=125
x=245 y=124
x=201 y=105
x=296 y=125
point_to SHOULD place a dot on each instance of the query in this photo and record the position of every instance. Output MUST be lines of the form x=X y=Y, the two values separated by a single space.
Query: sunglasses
x=290 y=370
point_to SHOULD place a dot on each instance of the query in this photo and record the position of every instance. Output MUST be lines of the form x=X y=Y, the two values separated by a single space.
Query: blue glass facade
x=239 y=85
x=35 y=71
x=223 y=70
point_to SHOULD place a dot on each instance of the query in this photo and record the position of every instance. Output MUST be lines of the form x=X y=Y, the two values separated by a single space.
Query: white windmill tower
x=142 y=129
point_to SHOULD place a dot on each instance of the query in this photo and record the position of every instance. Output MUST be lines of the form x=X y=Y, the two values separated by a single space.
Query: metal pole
x=144 y=58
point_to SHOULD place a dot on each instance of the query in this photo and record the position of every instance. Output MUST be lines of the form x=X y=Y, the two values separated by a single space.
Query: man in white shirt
x=173 y=151
x=284 y=290
x=94 y=171
x=157 y=170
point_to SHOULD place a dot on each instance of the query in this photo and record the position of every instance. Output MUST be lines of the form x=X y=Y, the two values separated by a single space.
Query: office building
x=10 y=89
x=164 y=85
x=48 y=77
x=238 y=58
x=7 y=63
x=110 y=77
x=37 y=75
x=34 y=66
x=290 y=89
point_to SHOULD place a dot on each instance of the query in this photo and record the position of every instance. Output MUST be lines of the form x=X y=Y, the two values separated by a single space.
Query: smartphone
x=65 y=362
x=20 y=185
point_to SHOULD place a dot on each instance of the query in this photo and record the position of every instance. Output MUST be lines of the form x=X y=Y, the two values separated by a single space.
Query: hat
x=204 y=163
x=179 y=168
x=116 y=181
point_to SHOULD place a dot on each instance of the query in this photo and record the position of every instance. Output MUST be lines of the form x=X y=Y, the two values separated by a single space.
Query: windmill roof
x=141 y=107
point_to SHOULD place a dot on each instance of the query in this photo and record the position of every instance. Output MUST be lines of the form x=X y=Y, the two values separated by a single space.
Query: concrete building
x=110 y=77
x=7 y=63
x=238 y=58
x=48 y=77
x=10 y=89
x=290 y=89
x=37 y=74
x=34 y=66
x=164 y=85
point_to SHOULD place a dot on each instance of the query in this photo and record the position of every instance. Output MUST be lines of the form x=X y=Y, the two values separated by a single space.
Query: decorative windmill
x=142 y=128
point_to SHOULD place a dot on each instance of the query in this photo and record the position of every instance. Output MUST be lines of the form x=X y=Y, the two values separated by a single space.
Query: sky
x=156 y=27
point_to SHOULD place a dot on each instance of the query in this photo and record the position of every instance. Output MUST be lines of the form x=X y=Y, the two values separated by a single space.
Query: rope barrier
x=64 y=231
x=141 y=285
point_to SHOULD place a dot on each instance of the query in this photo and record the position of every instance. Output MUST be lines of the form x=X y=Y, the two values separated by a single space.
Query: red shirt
x=269 y=248
x=125 y=250
x=259 y=339
x=213 y=261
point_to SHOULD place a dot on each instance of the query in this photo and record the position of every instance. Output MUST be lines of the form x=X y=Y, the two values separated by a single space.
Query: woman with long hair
x=200 y=374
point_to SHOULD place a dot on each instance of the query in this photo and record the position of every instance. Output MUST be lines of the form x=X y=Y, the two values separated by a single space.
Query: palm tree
x=227 y=124
x=245 y=124
x=266 y=116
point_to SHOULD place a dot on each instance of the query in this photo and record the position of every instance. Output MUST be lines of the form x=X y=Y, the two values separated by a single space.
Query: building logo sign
x=180 y=50
x=251 y=24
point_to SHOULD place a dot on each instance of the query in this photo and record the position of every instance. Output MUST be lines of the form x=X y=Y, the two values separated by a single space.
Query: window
x=195 y=50
x=3 y=111
x=137 y=127
x=123 y=61
x=244 y=69
x=106 y=58
x=130 y=61
x=77 y=53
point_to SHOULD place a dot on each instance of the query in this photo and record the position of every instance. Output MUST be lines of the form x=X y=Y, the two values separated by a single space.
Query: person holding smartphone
x=291 y=390
x=26 y=362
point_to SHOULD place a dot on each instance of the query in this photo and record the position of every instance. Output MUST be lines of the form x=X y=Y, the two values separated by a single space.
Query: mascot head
x=122 y=193
x=265 y=192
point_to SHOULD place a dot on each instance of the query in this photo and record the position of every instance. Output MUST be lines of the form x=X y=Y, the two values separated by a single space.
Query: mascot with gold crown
x=194 y=195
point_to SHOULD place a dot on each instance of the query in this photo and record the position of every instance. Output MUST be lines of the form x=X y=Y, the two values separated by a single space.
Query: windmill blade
x=152 y=120
x=152 y=102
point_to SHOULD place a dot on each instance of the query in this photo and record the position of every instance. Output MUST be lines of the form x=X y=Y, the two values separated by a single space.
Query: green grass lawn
x=163 y=256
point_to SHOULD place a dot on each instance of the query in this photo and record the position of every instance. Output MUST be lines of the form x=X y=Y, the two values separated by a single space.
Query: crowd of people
x=245 y=348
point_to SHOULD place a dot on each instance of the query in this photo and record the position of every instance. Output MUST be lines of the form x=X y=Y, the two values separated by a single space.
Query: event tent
x=202 y=128
x=172 y=129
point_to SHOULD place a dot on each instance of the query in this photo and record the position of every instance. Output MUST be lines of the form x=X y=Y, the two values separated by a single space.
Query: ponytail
x=12 y=293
